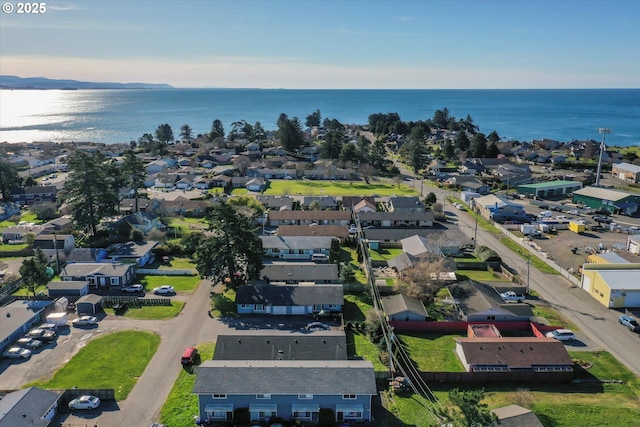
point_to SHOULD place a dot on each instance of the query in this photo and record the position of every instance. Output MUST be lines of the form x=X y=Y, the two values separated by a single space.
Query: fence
x=133 y=302
x=160 y=272
x=104 y=394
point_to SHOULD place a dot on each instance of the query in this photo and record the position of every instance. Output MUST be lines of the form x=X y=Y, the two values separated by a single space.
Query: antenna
x=604 y=132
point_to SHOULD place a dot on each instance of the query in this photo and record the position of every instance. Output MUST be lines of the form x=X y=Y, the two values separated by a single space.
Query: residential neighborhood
x=324 y=311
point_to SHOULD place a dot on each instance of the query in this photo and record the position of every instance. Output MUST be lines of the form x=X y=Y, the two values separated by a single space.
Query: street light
x=604 y=132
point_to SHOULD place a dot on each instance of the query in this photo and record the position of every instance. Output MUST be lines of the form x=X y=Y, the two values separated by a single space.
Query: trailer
x=577 y=227
x=58 y=319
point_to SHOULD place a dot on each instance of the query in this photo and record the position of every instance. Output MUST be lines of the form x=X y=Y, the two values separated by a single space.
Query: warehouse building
x=549 y=190
x=614 y=201
x=613 y=285
x=626 y=172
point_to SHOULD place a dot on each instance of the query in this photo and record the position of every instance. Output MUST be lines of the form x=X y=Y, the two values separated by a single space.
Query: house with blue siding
x=294 y=390
x=295 y=247
x=288 y=299
x=100 y=275
x=18 y=317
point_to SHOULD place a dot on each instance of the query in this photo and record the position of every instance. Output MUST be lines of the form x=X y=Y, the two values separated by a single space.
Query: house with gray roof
x=293 y=390
x=405 y=204
x=295 y=247
x=480 y=303
x=396 y=219
x=31 y=406
x=404 y=308
x=87 y=255
x=288 y=299
x=18 y=317
x=102 y=275
x=138 y=252
x=338 y=231
x=627 y=172
x=71 y=289
x=516 y=416
x=281 y=345
x=297 y=272
x=288 y=217
x=276 y=202
x=323 y=202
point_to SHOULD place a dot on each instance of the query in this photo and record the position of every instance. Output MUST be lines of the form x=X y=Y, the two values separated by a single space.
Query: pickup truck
x=511 y=296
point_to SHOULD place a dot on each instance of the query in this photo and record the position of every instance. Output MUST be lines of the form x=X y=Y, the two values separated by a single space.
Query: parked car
x=601 y=219
x=189 y=356
x=327 y=315
x=29 y=343
x=48 y=326
x=42 y=334
x=84 y=402
x=562 y=335
x=17 y=353
x=164 y=290
x=133 y=288
x=317 y=326
x=85 y=321
x=543 y=206
x=511 y=296
x=630 y=322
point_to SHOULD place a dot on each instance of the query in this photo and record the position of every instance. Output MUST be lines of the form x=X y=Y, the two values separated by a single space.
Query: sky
x=323 y=44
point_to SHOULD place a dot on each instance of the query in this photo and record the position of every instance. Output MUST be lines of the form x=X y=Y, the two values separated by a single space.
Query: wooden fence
x=133 y=302
x=104 y=394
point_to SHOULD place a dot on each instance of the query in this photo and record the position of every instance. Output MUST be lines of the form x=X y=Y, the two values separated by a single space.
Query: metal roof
x=552 y=184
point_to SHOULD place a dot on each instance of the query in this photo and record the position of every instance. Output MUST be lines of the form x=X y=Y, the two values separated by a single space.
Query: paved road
x=598 y=326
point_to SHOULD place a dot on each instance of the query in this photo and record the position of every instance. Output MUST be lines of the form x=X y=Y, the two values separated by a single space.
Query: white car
x=133 y=288
x=164 y=290
x=17 y=353
x=562 y=335
x=85 y=321
x=84 y=402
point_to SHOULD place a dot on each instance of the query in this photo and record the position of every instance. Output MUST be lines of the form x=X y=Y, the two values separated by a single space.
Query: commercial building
x=626 y=172
x=613 y=285
x=614 y=201
x=549 y=190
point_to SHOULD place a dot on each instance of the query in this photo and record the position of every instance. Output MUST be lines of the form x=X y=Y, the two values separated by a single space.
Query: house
x=18 y=317
x=221 y=181
x=69 y=289
x=7 y=210
x=276 y=202
x=405 y=205
x=338 y=231
x=100 y=275
x=55 y=246
x=184 y=183
x=550 y=189
x=288 y=299
x=498 y=208
x=396 y=219
x=516 y=416
x=255 y=184
x=359 y=204
x=19 y=232
x=626 y=172
x=482 y=303
x=281 y=345
x=160 y=165
x=138 y=252
x=87 y=255
x=30 y=406
x=345 y=387
x=615 y=201
x=165 y=180
x=469 y=183
x=404 y=308
x=612 y=285
x=142 y=221
x=240 y=181
x=64 y=223
x=515 y=354
x=295 y=247
x=35 y=194
x=321 y=202
x=285 y=217
x=296 y=272
x=182 y=206
x=421 y=247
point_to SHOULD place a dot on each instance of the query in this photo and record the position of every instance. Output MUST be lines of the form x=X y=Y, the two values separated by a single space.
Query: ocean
x=112 y=116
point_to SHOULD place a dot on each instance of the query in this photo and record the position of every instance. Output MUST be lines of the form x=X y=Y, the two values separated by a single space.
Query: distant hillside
x=15 y=82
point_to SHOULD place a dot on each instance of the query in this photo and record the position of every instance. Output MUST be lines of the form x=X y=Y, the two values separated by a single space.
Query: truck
x=577 y=227
x=58 y=319
x=529 y=230
x=511 y=296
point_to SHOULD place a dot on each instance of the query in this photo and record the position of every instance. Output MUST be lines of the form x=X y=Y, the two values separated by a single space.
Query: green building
x=615 y=201
x=551 y=189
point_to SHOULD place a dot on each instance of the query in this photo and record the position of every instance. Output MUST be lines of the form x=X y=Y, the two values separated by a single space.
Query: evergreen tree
x=313 y=119
x=332 y=145
x=164 y=133
x=135 y=173
x=186 y=132
x=290 y=133
x=478 y=146
x=9 y=180
x=34 y=271
x=217 y=130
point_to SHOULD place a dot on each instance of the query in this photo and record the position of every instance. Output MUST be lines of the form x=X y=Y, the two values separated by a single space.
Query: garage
x=89 y=304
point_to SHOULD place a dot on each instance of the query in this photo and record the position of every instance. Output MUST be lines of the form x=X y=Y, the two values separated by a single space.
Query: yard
x=182 y=405
x=151 y=312
x=180 y=283
x=99 y=363
x=432 y=352
x=337 y=188
x=384 y=254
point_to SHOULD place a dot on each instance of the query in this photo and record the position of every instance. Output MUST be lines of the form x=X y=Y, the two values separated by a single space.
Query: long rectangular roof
x=621 y=279
x=290 y=295
x=296 y=242
x=552 y=184
x=285 y=377
x=603 y=193
x=514 y=352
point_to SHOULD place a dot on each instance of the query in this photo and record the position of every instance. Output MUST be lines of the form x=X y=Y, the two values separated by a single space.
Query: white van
x=319 y=258
x=545 y=214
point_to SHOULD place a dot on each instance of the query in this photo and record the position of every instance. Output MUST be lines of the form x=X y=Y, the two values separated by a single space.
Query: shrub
x=486 y=254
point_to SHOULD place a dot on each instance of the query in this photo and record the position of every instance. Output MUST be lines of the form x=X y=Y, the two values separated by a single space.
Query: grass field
x=356 y=307
x=524 y=254
x=155 y=312
x=99 y=363
x=180 y=283
x=432 y=352
x=358 y=345
x=182 y=405
x=479 y=276
x=224 y=304
x=337 y=188
x=384 y=254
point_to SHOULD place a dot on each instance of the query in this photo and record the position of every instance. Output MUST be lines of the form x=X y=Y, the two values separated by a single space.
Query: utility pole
x=528 y=271
x=604 y=132
x=475 y=230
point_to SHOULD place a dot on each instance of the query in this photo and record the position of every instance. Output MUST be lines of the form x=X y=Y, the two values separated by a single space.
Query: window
x=305 y=396
x=114 y=281
x=348 y=396
x=219 y=396
x=263 y=396
x=353 y=415
x=259 y=307
x=302 y=415
x=245 y=306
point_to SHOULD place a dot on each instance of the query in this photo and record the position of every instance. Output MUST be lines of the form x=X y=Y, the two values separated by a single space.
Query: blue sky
x=330 y=43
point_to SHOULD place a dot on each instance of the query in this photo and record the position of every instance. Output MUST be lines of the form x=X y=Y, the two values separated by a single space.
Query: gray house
x=288 y=299
x=100 y=275
x=138 y=252
x=294 y=390
x=396 y=219
x=297 y=272
x=28 y=407
x=295 y=247
x=70 y=289
x=18 y=317
x=403 y=308
x=483 y=303
x=281 y=345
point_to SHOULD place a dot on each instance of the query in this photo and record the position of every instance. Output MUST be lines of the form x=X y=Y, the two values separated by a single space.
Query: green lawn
x=178 y=264
x=5 y=247
x=151 y=312
x=432 y=352
x=181 y=405
x=384 y=254
x=356 y=307
x=358 y=345
x=100 y=363
x=25 y=291
x=337 y=188
x=553 y=316
x=525 y=254
x=224 y=304
x=479 y=276
x=180 y=283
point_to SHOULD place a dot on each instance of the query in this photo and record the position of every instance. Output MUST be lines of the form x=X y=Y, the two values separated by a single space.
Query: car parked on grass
x=133 y=288
x=317 y=326
x=85 y=321
x=29 y=343
x=630 y=322
x=189 y=356
x=17 y=353
x=561 y=334
x=84 y=402
x=164 y=290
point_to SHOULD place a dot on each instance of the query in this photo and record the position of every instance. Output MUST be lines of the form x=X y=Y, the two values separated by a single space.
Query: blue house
x=18 y=317
x=288 y=299
x=294 y=390
x=295 y=247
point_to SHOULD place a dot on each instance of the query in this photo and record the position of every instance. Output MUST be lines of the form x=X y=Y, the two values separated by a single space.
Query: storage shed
x=89 y=304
